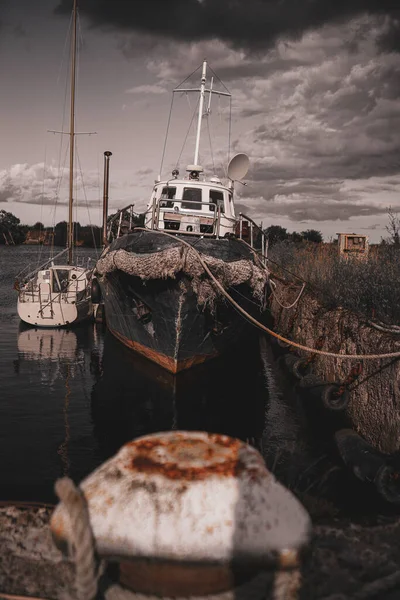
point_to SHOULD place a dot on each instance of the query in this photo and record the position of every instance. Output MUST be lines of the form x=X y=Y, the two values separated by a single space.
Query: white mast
x=72 y=137
x=201 y=108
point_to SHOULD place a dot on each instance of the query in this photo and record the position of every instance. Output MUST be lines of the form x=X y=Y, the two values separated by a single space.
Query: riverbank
x=374 y=407
x=342 y=560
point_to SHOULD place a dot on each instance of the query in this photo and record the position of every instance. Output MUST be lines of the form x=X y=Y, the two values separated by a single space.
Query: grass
x=369 y=287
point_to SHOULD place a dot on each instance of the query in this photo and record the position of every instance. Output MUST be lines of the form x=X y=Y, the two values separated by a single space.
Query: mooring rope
x=293 y=303
x=266 y=329
x=285 y=586
x=83 y=540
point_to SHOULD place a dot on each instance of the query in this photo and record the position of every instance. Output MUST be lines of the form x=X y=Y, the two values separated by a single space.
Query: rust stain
x=192 y=459
x=57 y=526
x=171 y=364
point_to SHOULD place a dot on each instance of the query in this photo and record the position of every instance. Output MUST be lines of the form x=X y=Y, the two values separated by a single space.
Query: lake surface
x=70 y=398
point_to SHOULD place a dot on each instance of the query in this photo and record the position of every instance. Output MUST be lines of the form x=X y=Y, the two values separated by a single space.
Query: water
x=70 y=398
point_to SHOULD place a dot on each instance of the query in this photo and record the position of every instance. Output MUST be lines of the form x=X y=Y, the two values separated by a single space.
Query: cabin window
x=191 y=198
x=216 y=199
x=167 y=196
x=60 y=280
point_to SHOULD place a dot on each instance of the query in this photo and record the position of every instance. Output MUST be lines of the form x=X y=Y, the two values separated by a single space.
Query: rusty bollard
x=193 y=514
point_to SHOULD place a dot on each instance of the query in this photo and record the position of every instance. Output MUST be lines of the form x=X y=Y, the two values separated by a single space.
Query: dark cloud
x=312 y=209
x=257 y=68
x=252 y=24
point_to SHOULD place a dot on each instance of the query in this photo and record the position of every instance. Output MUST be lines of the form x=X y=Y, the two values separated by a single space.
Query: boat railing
x=247 y=228
x=84 y=262
x=43 y=294
x=186 y=221
x=124 y=218
x=28 y=272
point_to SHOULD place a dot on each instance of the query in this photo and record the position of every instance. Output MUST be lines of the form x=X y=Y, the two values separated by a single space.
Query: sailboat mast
x=72 y=136
x=201 y=108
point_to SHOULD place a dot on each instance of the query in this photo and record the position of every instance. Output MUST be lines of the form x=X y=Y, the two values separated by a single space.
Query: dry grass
x=369 y=287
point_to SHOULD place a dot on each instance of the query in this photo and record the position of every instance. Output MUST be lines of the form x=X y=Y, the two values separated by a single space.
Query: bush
x=368 y=287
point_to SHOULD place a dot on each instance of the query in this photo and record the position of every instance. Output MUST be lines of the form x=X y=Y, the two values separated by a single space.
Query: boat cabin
x=61 y=280
x=191 y=206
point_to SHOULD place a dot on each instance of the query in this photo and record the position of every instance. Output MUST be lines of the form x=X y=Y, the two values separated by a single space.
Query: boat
x=59 y=295
x=158 y=298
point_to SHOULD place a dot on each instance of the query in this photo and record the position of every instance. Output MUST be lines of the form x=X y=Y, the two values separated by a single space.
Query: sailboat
x=158 y=299
x=59 y=295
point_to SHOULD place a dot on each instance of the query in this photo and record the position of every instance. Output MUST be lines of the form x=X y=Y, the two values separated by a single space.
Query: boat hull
x=63 y=314
x=161 y=318
x=58 y=296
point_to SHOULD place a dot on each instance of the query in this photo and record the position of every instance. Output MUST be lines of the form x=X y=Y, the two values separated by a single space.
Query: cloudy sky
x=315 y=103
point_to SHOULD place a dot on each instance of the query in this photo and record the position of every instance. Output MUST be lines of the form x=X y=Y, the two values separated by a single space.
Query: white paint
x=216 y=517
x=41 y=305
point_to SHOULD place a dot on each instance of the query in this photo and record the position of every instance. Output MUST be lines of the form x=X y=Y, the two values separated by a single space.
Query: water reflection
x=46 y=400
x=134 y=397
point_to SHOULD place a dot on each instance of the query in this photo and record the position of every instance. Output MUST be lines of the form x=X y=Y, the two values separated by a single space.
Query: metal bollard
x=191 y=514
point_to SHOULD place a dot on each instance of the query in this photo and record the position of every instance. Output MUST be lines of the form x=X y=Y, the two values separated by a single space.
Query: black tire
x=387 y=482
x=282 y=344
x=330 y=399
x=298 y=368
x=96 y=292
x=294 y=364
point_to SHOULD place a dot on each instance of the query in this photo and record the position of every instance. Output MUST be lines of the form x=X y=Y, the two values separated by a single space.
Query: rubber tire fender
x=293 y=363
x=96 y=291
x=332 y=402
x=387 y=482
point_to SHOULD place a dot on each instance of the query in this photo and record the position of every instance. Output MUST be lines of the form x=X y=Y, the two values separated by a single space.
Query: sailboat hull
x=58 y=296
x=62 y=314
x=161 y=318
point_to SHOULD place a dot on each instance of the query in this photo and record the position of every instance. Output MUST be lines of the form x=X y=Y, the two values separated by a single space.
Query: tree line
x=276 y=233
x=13 y=232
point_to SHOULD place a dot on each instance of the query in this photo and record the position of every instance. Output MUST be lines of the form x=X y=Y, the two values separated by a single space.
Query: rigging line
x=230 y=129
x=65 y=49
x=86 y=201
x=211 y=148
x=60 y=176
x=41 y=204
x=166 y=135
x=189 y=76
x=188 y=99
x=220 y=80
x=58 y=188
x=187 y=133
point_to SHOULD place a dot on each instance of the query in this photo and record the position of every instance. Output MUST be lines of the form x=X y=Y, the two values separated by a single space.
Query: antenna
x=238 y=167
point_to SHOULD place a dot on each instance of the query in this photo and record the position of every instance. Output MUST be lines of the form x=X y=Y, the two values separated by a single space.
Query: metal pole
x=119 y=224
x=107 y=155
x=72 y=138
x=201 y=107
